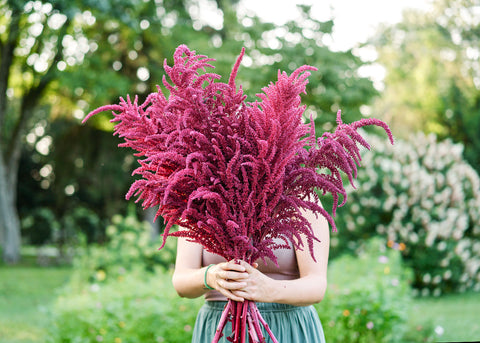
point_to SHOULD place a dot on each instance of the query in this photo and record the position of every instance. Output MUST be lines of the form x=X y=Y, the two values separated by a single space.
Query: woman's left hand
x=259 y=286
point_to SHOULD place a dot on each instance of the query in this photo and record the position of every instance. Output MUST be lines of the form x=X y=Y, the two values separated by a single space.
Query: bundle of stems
x=246 y=319
x=236 y=176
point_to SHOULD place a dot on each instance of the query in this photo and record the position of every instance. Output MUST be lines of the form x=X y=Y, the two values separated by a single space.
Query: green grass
x=25 y=294
x=456 y=315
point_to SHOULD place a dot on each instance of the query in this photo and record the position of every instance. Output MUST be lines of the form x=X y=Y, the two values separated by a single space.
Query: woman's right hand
x=226 y=277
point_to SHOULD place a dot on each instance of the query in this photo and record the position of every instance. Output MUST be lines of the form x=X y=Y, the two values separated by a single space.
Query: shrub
x=129 y=246
x=85 y=222
x=425 y=200
x=368 y=297
x=39 y=226
x=137 y=307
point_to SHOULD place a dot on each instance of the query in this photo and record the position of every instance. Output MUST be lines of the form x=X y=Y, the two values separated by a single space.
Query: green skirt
x=289 y=324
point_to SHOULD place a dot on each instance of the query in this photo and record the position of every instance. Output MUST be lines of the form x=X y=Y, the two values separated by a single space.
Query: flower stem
x=222 y=322
x=246 y=319
x=265 y=325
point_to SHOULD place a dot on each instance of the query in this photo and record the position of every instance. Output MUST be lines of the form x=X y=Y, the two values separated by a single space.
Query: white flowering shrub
x=424 y=199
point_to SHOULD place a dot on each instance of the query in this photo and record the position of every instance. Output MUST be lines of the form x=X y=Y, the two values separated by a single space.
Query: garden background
x=80 y=264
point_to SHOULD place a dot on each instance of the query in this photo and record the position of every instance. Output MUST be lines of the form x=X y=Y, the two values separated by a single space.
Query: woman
x=284 y=294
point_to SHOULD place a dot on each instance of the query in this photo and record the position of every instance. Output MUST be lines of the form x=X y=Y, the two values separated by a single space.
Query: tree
x=39 y=42
x=27 y=67
x=432 y=77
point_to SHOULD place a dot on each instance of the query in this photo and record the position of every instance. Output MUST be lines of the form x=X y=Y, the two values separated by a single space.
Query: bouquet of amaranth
x=235 y=175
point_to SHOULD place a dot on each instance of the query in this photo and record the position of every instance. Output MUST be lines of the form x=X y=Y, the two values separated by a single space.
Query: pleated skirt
x=289 y=324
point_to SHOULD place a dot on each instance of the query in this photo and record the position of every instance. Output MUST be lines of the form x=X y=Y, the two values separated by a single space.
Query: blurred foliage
x=368 y=296
x=39 y=225
x=83 y=170
x=128 y=247
x=432 y=78
x=424 y=199
x=139 y=307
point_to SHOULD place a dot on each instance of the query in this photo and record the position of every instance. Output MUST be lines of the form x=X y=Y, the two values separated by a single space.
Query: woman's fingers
x=232 y=296
x=241 y=294
x=232 y=266
x=248 y=268
x=231 y=285
x=227 y=284
x=228 y=275
x=237 y=280
x=231 y=271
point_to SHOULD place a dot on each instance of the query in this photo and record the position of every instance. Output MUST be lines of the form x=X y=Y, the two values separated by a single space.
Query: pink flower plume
x=234 y=175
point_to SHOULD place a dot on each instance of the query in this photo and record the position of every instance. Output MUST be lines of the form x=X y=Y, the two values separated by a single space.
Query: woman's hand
x=227 y=278
x=259 y=287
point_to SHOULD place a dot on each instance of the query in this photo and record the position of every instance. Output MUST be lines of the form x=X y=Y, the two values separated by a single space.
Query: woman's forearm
x=307 y=290
x=189 y=283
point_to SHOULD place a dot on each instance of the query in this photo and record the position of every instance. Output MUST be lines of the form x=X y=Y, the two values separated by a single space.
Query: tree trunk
x=9 y=220
x=10 y=147
x=10 y=161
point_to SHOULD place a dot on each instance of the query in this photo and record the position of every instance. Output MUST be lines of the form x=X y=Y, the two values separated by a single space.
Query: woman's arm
x=309 y=288
x=189 y=275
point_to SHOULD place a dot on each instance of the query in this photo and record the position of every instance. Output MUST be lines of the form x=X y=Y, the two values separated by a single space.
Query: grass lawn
x=456 y=315
x=25 y=294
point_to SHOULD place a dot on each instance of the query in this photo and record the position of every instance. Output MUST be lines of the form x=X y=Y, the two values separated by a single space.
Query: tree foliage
x=433 y=76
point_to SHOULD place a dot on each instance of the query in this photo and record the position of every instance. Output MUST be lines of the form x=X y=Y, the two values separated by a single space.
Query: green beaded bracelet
x=205 y=278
